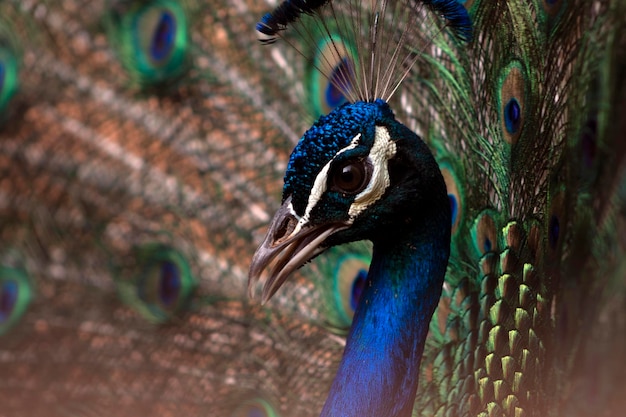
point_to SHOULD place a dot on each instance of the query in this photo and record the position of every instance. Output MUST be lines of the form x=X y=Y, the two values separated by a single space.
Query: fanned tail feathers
x=142 y=150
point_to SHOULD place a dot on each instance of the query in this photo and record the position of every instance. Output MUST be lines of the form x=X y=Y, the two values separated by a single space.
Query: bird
x=144 y=145
x=502 y=335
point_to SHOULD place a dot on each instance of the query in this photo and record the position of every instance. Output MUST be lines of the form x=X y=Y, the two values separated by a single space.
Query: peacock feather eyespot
x=331 y=73
x=169 y=283
x=454 y=194
x=357 y=288
x=332 y=60
x=9 y=70
x=162 y=40
x=349 y=279
x=454 y=207
x=485 y=233
x=257 y=407
x=338 y=83
x=161 y=286
x=8 y=298
x=151 y=40
x=512 y=116
x=511 y=101
x=15 y=295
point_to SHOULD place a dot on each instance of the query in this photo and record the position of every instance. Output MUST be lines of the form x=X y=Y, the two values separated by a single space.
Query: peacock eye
x=351 y=176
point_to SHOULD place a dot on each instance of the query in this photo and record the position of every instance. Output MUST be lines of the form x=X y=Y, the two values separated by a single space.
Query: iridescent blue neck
x=378 y=374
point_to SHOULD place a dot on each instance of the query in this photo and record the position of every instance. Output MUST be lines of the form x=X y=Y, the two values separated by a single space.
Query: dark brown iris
x=350 y=177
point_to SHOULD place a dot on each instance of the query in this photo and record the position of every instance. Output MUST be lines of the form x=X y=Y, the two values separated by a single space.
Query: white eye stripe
x=380 y=154
x=319 y=185
x=382 y=151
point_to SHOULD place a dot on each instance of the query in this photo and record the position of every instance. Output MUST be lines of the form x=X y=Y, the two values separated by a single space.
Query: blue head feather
x=325 y=138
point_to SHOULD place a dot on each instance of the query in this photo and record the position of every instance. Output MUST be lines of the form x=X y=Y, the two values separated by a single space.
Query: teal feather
x=16 y=293
x=151 y=40
x=9 y=67
x=115 y=172
x=158 y=282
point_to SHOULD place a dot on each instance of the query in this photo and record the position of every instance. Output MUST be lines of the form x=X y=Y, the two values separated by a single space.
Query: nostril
x=286 y=227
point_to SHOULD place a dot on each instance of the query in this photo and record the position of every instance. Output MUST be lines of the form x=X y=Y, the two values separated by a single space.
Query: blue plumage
x=456 y=15
x=163 y=37
x=403 y=208
x=324 y=139
x=8 y=299
x=288 y=12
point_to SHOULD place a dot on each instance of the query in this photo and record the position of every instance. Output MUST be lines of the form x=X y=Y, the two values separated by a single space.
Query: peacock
x=144 y=146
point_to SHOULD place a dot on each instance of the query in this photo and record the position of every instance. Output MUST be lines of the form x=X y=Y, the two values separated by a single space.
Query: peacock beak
x=287 y=246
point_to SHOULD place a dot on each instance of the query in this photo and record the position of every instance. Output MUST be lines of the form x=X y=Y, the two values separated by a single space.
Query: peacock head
x=356 y=174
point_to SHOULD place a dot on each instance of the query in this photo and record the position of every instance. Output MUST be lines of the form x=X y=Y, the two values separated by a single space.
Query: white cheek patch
x=382 y=151
x=380 y=154
x=319 y=186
